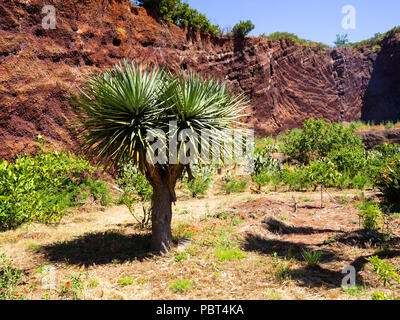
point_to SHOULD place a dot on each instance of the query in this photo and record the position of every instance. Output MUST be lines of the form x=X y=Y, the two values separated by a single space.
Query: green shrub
x=317 y=139
x=202 y=181
x=349 y=158
x=322 y=173
x=370 y=214
x=383 y=296
x=242 y=29
x=313 y=258
x=224 y=254
x=295 y=177
x=73 y=287
x=124 y=282
x=386 y=272
x=232 y=184
x=9 y=279
x=136 y=189
x=388 y=184
x=341 y=40
x=182 y=231
x=181 y=285
x=40 y=187
x=180 y=14
x=294 y=38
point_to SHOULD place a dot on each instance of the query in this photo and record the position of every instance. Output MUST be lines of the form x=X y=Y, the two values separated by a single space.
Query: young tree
x=243 y=28
x=121 y=109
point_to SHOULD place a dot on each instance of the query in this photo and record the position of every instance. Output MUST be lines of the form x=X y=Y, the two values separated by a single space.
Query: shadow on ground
x=318 y=276
x=99 y=249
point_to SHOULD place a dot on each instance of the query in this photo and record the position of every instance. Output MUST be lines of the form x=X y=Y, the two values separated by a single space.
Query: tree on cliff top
x=123 y=110
x=242 y=29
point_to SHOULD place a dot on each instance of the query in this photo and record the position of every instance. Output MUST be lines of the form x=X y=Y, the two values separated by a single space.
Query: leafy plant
x=383 y=296
x=180 y=14
x=137 y=189
x=282 y=268
x=124 y=282
x=242 y=29
x=180 y=256
x=232 y=184
x=201 y=182
x=356 y=291
x=370 y=214
x=388 y=182
x=93 y=284
x=386 y=272
x=74 y=286
x=181 y=285
x=317 y=139
x=341 y=40
x=9 y=279
x=313 y=258
x=41 y=187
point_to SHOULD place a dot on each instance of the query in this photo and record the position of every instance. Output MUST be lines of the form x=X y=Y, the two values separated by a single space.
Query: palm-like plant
x=121 y=108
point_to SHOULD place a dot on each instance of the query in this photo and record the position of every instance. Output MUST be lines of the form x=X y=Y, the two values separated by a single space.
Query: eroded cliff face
x=287 y=83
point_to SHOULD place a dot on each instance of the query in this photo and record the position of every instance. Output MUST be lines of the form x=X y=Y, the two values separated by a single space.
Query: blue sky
x=317 y=20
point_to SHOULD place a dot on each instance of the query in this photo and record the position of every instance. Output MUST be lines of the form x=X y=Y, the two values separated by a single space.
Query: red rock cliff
x=287 y=83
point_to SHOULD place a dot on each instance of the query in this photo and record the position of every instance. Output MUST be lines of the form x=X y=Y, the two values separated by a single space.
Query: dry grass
x=231 y=256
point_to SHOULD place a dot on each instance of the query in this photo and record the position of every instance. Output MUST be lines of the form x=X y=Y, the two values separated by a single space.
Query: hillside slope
x=287 y=83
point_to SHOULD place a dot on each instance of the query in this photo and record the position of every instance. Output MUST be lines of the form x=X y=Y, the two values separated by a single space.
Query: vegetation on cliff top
x=180 y=14
x=294 y=38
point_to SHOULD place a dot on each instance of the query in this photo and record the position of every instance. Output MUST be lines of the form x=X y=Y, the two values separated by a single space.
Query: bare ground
x=104 y=245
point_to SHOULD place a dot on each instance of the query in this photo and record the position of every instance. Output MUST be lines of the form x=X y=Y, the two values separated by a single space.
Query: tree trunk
x=161 y=217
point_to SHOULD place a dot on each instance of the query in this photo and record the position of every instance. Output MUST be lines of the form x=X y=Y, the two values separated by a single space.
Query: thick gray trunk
x=161 y=218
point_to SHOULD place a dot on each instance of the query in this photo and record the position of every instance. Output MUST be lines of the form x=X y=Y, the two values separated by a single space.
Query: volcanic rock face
x=286 y=82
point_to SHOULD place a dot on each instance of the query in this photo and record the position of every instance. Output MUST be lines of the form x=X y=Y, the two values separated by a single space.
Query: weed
x=356 y=291
x=124 y=282
x=9 y=279
x=181 y=285
x=74 y=286
x=383 y=296
x=313 y=258
x=93 y=283
x=180 y=256
x=34 y=247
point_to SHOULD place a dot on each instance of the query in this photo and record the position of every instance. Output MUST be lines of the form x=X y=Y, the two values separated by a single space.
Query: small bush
x=9 y=279
x=41 y=187
x=93 y=284
x=73 y=287
x=386 y=272
x=242 y=29
x=313 y=258
x=136 y=189
x=201 y=183
x=370 y=214
x=232 y=184
x=317 y=139
x=180 y=256
x=389 y=184
x=180 y=14
x=183 y=231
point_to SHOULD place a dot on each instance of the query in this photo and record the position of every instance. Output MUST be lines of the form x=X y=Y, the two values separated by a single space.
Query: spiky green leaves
x=121 y=108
